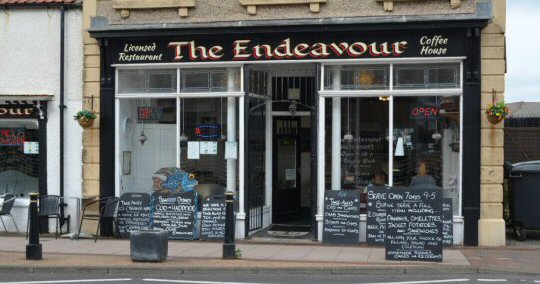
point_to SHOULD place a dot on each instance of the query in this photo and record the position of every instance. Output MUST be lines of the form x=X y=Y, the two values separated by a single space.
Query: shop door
x=255 y=134
x=287 y=170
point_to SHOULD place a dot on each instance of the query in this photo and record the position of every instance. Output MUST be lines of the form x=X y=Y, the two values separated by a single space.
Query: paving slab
x=197 y=257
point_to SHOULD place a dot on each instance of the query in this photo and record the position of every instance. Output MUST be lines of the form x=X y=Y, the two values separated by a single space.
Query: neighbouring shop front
x=279 y=115
x=23 y=160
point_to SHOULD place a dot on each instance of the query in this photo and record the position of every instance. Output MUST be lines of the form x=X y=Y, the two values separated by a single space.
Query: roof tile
x=20 y=2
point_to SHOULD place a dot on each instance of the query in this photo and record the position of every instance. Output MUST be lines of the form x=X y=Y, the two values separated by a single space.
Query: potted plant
x=85 y=118
x=496 y=112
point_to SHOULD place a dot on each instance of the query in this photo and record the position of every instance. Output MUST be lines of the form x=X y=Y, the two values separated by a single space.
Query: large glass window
x=159 y=134
x=19 y=159
x=147 y=141
x=426 y=139
x=425 y=144
x=204 y=126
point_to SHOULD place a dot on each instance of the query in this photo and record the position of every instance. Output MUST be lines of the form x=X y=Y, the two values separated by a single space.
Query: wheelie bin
x=524 y=181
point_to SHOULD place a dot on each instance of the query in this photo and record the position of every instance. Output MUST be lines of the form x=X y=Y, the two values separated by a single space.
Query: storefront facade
x=280 y=113
x=33 y=93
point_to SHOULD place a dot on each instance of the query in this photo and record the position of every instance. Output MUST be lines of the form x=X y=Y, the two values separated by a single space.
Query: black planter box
x=149 y=245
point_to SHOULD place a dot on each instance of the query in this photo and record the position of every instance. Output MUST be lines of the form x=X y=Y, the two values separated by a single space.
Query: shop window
x=19 y=159
x=363 y=143
x=213 y=80
x=357 y=77
x=147 y=81
x=427 y=76
x=426 y=144
x=147 y=141
x=204 y=129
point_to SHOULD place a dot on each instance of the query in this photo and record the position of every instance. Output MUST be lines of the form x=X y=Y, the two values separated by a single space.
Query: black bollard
x=229 y=245
x=33 y=249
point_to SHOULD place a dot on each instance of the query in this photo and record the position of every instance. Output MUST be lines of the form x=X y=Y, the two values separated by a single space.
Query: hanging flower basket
x=85 y=118
x=497 y=112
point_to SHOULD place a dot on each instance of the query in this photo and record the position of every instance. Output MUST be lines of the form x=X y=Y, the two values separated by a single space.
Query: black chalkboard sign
x=414 y=224
x=133 y=213
x=376 y=214
x=213 y=220
x=341 y=223
x=448 y=222
x=174 y=213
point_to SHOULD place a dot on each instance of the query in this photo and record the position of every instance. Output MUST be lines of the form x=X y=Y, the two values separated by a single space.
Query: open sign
x=424 y=112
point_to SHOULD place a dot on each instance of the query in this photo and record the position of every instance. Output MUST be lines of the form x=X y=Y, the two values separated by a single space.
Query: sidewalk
x=187 y=257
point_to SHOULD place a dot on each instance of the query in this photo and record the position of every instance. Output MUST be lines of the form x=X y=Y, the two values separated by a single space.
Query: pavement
x=204 y=258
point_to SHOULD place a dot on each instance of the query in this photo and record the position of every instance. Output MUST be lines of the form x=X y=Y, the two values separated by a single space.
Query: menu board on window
x=376 y=214
x=360 y=156
x=414 y=227
x=341 y=223
x=213 y=219
x=133 y=213
x=448 y=222
x=174 y=213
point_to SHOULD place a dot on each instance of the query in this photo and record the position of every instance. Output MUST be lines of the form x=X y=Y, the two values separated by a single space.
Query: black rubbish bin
x=524 y=180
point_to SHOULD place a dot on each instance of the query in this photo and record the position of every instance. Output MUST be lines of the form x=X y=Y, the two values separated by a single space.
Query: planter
x=85 y=123
x=493 y=119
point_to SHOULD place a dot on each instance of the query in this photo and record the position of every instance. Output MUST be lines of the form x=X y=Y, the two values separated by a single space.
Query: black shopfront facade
x=262 y=110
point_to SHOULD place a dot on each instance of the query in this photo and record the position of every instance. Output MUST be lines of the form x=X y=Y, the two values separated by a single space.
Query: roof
x=25 y=97
x=34 y=2
x=524 y=109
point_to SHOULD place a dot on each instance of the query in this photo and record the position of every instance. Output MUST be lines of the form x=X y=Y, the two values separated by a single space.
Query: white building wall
x=29 y=62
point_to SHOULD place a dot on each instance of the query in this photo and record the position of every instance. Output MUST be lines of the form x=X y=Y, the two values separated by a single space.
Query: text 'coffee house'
x=341 y=134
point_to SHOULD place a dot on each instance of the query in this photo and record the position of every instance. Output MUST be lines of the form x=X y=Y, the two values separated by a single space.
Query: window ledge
x=388 y=5
x=126 y=5
x=251 y=5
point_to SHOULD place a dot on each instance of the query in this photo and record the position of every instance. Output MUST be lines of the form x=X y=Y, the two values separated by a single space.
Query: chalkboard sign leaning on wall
x=213 y=220
x=133 y=213
x=174 y=213
x=414 y=224
x=341 y=223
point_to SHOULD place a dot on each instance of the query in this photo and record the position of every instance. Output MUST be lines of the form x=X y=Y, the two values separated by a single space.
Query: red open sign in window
x=424 y=112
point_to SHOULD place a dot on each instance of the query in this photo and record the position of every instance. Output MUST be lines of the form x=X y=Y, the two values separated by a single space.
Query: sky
x=523 y=51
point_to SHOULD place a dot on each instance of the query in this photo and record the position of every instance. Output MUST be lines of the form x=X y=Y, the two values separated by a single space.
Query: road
x=147 y=278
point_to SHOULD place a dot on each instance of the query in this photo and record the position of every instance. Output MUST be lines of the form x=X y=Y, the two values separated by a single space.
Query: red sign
x=149 y=113
x=424 y=112
x=12 y=136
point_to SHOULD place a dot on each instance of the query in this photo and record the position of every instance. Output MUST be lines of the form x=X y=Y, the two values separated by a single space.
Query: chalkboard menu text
x=414 y=225
x=341 y=223
x=213 y=219
x=376 y=214
x=133 y=213
x=174 y=213
x=448 y=222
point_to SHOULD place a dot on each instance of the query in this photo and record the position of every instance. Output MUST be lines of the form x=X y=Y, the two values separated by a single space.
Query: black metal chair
x=107 y=212
x=7 y=205
x=49 y=207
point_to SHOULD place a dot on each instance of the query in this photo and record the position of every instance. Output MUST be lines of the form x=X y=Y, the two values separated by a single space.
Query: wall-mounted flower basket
x=85 y=118
x=497 y=111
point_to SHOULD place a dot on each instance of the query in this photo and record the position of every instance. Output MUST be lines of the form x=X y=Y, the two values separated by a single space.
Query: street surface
x=160 y=277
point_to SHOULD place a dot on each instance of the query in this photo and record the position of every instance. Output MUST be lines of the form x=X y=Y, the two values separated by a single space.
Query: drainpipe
x=62 y=107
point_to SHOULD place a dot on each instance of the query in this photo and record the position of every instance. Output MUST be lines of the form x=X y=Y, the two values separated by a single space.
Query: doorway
x=292 y=153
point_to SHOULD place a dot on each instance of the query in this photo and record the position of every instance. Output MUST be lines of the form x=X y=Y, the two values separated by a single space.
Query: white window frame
x=391 y=93
x=178 y=95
